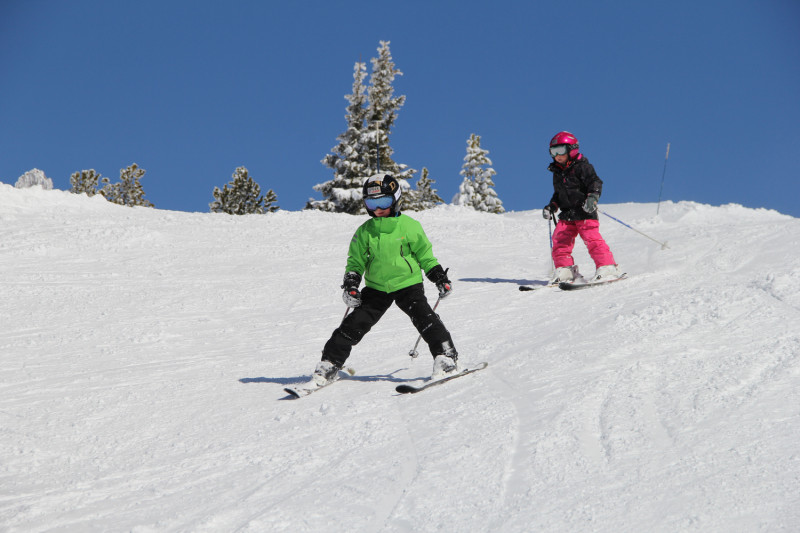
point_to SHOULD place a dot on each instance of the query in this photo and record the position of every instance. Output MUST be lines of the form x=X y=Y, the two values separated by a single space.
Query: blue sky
x=189 y=90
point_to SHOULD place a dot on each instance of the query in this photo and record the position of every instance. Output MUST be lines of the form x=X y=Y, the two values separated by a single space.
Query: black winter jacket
x=572 y=185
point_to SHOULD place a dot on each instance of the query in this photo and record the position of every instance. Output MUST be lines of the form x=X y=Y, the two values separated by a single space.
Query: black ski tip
x=536 y=287
x=291 y=392
x=406 y=389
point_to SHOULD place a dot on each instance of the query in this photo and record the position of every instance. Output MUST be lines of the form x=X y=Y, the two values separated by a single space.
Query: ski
x=532 y=288
x=304 y=389
x=411 y=389
x=566 y=286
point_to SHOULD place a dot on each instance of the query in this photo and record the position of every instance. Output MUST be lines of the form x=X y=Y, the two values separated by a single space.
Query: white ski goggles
x=383 y=202
x=560 y=149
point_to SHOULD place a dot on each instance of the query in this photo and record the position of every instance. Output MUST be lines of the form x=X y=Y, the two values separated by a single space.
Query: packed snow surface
x=143 y=356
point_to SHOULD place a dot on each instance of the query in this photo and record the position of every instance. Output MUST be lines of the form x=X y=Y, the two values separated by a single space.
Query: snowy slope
x=143 y=355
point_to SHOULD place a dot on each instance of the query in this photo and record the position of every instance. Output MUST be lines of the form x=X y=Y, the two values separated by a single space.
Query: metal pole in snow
x=663 y=174
x=663 y=244
x=377 y=147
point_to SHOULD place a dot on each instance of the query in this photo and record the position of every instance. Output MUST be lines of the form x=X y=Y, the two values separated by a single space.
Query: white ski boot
x=567 y=274
x=325 y=373
x=606 y=273
x=444 y=365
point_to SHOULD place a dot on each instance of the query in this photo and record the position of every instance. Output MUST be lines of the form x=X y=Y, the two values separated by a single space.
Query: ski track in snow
x=143 y=355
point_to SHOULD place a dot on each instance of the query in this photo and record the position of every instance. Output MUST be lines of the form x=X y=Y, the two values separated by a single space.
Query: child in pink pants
x=577 y=189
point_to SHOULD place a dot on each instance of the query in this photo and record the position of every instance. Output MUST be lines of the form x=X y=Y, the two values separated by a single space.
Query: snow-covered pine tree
x=129 y=190
x=270 y=202
x=477 y=188
x=32 y=178
x=466 y=193
x=242 y=196
x=381 y=115
x=370 y=116
x=84 y=182
x=426 y=196
x=343 y=192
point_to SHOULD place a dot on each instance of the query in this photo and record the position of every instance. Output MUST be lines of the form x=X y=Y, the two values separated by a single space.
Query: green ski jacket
x=390 y=253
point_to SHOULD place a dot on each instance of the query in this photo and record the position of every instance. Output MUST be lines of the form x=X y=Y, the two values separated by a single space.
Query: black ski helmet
x=382 y=185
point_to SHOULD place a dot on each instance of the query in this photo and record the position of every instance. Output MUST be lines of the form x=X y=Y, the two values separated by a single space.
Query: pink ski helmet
x=567 y=139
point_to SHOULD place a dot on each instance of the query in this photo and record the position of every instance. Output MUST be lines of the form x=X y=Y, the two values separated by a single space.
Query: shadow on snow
x=504 y=280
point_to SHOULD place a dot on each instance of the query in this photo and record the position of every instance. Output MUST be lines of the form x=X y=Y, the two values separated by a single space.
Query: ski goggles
x=560 y=149
x=382 y=202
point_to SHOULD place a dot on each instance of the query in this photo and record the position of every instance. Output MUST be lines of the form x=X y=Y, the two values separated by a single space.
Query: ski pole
x=349 y=369
x=663 y=174
x=413 y=352
x=552 y=262
x=663 y=244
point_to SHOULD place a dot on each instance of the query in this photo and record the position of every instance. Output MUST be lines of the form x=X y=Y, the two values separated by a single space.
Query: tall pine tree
x=382 y=113
x=128 y=191
x=477 y=190
x=381 y=116
x=242 y=196
x=364 y=148
x=343 y=192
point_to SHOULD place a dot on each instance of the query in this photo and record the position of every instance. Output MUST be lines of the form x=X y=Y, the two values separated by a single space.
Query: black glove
x=438 y=275
x=590 y=205
x=351 y=295
x=549 y=211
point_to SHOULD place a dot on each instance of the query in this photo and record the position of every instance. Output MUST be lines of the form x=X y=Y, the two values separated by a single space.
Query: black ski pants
x=374 y=304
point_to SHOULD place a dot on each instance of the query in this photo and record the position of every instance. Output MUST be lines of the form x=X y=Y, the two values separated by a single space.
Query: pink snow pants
x=589 y=230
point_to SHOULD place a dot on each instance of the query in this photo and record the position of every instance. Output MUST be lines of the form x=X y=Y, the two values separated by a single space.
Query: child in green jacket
x=390 y=251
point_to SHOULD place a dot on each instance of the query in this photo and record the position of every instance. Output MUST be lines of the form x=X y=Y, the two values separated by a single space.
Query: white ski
x=566 y=286
x=304 y=389
x=411 y=389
